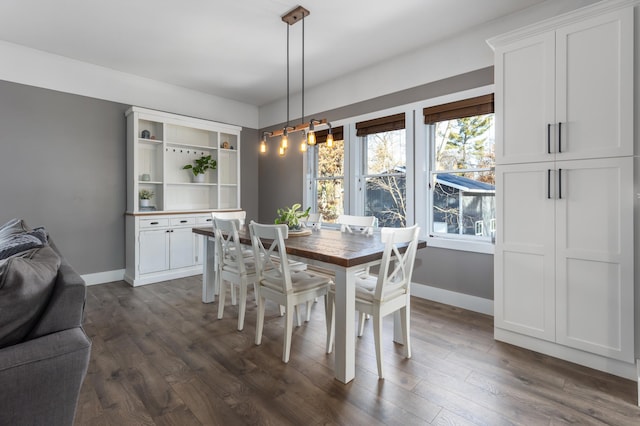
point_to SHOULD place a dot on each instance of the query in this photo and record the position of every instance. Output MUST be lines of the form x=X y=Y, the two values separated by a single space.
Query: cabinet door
x=524 y=254
x=594 y=87
x=182 y=248
x=153 y=251
x=594 y=263
x=524 y=100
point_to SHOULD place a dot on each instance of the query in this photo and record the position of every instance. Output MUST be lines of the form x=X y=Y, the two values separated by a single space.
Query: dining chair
x=385 y=292
x=241 y=215
x=361 y=224
x=313 y=221
x=234 y=267
x=277 y=282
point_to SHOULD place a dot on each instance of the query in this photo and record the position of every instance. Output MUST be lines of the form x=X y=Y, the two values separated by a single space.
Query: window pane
x=385 y=152
x=331 y=160
x=465 y=143
x=385 y=198
x=330 y=198
x=464 y=203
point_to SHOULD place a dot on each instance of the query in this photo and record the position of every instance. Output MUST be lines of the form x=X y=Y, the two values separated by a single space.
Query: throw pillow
x=19 y=243
x=26 y=284
x=13 y=227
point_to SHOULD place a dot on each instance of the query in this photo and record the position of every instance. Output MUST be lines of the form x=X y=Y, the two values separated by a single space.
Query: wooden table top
x=327 y=245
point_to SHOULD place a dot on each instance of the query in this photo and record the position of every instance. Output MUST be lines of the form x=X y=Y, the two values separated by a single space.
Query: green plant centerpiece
x=200 y=166
x=291 y=216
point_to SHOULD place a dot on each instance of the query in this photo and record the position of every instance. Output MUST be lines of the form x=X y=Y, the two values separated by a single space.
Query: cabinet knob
x=154 y=223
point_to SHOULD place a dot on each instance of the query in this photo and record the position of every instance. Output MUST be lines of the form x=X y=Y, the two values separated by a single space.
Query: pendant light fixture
x=290 y=18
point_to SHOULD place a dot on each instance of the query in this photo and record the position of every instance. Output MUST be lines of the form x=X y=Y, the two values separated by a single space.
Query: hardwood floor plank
x=161 y=357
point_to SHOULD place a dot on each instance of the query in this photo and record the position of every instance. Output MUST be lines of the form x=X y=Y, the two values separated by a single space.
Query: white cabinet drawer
x=204 y=220
x=154 y=223
x=183 y=221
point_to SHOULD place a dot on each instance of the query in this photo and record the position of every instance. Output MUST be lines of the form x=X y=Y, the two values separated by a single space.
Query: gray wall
x=281 y=183
x=63 y=166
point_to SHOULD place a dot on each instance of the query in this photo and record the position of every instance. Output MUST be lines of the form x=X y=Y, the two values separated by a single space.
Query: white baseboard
x=103 y=277
x=448 y=297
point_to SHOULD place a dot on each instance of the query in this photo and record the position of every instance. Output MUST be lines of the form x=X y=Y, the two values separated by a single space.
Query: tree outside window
x=329 y=180
x=385 y=177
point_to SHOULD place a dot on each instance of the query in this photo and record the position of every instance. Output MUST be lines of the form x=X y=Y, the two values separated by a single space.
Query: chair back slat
x=272 y=263
x=241 y=215
x=396 y=268
x=228 y=243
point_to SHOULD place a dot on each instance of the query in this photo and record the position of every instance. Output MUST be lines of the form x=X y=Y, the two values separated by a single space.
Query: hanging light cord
x=287 y=77
x=302 y=118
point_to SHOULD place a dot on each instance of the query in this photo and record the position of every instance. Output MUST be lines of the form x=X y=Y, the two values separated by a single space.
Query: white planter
x=145 y=203
x=197 y=178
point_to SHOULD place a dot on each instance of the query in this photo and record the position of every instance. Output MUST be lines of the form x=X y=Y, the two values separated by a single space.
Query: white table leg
x=208 y=271
x=345 y=347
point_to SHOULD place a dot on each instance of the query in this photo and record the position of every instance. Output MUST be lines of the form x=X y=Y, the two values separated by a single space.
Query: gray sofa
x=41 y=373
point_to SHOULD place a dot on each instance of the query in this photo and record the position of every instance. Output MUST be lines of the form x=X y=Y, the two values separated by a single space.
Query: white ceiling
x=236 y=49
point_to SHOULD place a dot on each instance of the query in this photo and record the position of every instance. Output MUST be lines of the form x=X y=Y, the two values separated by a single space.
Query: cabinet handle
x=548 y=184
x=560 y=184
x=209 y=220
x=183 y=221
x=559 y=136
x=154 y=223
x=549 y=138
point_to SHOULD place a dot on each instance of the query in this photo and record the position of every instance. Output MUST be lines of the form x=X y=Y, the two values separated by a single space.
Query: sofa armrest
x=40 y=379
x=66 y=305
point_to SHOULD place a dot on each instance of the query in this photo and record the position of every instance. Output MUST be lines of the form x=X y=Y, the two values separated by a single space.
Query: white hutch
x=159 y=242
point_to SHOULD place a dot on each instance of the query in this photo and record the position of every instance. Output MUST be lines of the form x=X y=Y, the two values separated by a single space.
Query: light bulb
x=303 y=146
x=330 y=140
x=311 y=137
x=281 y=151
x=284 y=143
x=263 y=146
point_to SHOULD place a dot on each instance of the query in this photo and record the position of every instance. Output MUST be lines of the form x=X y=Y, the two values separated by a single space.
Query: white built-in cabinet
x=160 y=244
x=564 y=256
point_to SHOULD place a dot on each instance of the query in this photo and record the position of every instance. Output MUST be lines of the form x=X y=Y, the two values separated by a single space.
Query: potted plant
x=200 y=166
x=291 y=216
x=145 y=196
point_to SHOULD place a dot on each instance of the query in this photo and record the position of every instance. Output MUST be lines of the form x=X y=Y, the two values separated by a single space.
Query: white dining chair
x=356 y=224
x=234 y=267
x=277 y=282
x=241 y=215
x=385 y=292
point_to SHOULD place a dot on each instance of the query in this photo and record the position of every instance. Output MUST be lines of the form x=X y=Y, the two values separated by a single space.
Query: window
x=462 y=178
x=327 y=175
x=384 y=169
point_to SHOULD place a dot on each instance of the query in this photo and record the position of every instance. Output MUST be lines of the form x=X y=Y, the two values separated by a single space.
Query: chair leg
x=361 y=319
x=377 y=337
x=282 y=310
x=255 y=293
x=260 y=320
x=405 y=322
x=221 y=298
x=330 y=319
x=288 y=333
x=234 y=300
x=242 y=306
x=298 y=319
x=308 y=316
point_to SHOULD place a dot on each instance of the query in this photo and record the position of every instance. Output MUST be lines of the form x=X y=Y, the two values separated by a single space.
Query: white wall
x=40 y=69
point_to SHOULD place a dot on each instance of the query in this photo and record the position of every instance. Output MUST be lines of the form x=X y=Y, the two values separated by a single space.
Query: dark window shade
x=379 y=125
x=460 y=109
x=338 y=134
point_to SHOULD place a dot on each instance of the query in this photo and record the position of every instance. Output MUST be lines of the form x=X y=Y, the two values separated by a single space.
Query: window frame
x=419 y=204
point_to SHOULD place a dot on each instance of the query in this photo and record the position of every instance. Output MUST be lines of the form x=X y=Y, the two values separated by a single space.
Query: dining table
x=345 y=254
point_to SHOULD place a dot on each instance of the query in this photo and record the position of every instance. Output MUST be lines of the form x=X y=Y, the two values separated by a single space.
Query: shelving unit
x=160 y=245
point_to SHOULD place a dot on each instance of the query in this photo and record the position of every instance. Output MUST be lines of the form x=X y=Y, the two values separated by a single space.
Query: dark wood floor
x=161 y=357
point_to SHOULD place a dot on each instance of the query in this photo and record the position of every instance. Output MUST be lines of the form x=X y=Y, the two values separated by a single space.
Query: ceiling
x=236 y=49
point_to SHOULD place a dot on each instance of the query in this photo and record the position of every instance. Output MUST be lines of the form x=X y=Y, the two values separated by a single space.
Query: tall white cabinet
x=565 y=192
x=159 y=242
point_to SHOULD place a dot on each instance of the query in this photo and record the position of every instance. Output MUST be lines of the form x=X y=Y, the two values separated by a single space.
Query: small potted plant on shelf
x=291 y=216
x=200 y=166
x=145 y=196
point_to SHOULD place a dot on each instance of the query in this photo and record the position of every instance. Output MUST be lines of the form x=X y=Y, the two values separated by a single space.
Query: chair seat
x=300 y=281
x=366 y=289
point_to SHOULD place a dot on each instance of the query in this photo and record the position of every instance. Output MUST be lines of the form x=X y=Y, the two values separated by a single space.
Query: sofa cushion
x=26 y=284
x=16 y=238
